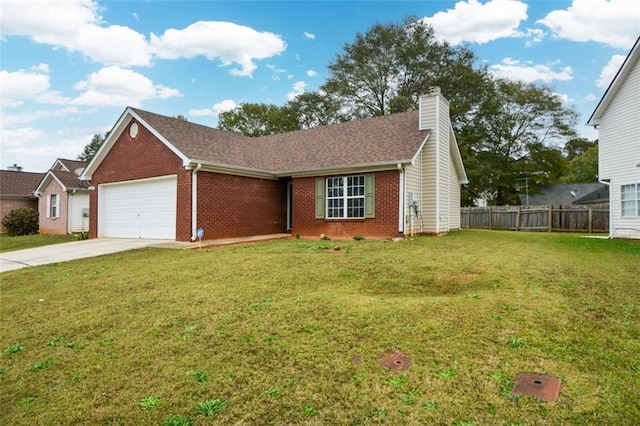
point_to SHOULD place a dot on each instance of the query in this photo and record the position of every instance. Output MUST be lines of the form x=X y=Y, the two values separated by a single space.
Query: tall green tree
x=251 y=119
x=583 y=168
x=386 y=70
x=518 y=132
x=90 y=149
x=312 y=109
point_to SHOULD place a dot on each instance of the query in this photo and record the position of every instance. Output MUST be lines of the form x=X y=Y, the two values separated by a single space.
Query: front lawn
x=10 y=243
x=291 y=332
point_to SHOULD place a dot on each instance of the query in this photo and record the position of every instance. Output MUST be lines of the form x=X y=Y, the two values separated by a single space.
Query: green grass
x=267 y=333
x=9 y=243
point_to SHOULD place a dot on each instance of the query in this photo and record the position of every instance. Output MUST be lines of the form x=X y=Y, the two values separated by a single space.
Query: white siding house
x=432 y=201
x=617 y=118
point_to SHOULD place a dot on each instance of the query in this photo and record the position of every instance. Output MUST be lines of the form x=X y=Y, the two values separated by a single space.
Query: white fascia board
x=46 y=180
x=457 y=157
x=614 y=86
x=355 y=168
x=230 y=170
x=176 y=151
x=415 y=157
x=43 y=183
x=115 y=133
x=61 y=163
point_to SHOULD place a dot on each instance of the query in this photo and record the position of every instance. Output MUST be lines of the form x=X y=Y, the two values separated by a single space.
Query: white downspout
x=194 y=201
x=608 y=183
x=438 y=171
x=401 y=212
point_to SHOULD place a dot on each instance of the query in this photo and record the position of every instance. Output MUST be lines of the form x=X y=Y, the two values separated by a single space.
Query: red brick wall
x=237 y=206
x=384 y=225
x=8 y=204
x=143 y=157
x=54 y=225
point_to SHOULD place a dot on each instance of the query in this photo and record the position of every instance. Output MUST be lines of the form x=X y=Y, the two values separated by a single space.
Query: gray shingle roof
x=568 y=193
x=385 y=139
x=72 y=165
x=69 y=179
x=19 y=183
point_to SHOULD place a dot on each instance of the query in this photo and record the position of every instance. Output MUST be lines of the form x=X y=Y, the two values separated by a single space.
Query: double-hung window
x=53 y=208
x=630 y=197
x=345 y=197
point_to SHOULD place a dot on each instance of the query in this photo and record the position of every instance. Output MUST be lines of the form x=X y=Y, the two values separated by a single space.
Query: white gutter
x=194 y=201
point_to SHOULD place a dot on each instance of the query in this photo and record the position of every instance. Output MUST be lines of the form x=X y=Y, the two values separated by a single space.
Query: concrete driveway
x=55 y=253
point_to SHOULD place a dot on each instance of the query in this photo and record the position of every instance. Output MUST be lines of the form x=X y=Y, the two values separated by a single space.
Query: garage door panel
x=140 y=209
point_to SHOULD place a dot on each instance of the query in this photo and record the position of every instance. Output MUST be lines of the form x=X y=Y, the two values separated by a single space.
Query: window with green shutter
x=345 y=197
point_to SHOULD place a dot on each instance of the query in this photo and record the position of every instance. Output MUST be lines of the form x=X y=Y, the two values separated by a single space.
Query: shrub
x=22 y=221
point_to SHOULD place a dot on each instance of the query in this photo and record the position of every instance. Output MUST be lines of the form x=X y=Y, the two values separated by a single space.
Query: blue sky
x=70 y=67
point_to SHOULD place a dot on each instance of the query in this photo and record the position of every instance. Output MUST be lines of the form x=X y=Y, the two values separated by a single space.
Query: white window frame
x=630 y=200
x=345 y=197
x=54 y=206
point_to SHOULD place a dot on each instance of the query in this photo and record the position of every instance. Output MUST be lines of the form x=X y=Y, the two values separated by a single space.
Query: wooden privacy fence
x=562 y=218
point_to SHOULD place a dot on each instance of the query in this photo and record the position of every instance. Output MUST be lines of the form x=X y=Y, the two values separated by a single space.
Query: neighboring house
x=16 y=191
x=568 y=193
x=617 y=118
x=160 y=177
x=64 y=199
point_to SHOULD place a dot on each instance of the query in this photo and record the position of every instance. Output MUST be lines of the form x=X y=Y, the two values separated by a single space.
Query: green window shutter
x=319 y=198
x=370 y=196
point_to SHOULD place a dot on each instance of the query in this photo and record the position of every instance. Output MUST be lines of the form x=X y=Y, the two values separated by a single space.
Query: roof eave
x=208 y=166
x=615 y=84
x=347 y=169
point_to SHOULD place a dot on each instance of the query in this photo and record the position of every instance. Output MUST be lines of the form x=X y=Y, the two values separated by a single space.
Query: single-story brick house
x=64 y=198
x=389 y=176
x=16 y=191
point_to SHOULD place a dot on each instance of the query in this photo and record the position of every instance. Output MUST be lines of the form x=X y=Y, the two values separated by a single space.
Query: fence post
x=490 y=218
x=590 y=217
x=469 y=218
x=518 y=218
x=550 y=217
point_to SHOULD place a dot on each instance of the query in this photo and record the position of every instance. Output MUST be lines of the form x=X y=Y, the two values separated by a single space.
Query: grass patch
x=10 y=243
x=267 y=333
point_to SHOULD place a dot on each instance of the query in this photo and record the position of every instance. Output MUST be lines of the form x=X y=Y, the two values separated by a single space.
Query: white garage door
x=143 y=208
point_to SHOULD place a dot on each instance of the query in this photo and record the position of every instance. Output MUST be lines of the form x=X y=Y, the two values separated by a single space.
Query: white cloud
x=612 y=22
x=76 y=26
x=226 y=41
x=562 y=97
x=298 y=89
x=479 y=23
x=115 y=86
x=25 y=148
x=41 y=67
x=311 y=73
x=21 y=85
x=590 y=97
x=15 y=138
x=609 y=71
x=310 y=36
x=534 y=36
x=530 y=72
x=216 y=109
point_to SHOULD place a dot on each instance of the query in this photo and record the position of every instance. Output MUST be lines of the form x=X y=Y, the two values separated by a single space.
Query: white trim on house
x=617 y=118
x=139 y=217
x=121 y=125
x=616 y=83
